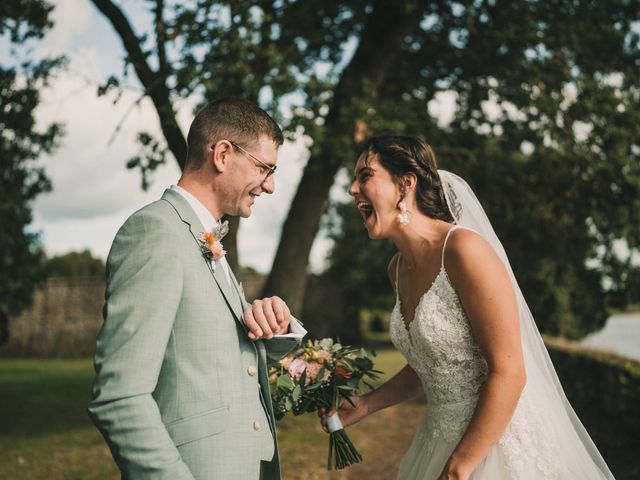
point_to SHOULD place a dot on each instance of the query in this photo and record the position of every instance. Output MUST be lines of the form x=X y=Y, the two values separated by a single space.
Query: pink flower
x=217 y=252
x=211 y=245
x=286 y=361
x=323 y=356
x=297 y=367
x=312 y=372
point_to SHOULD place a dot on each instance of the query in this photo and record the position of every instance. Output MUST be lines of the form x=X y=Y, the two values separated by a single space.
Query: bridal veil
x=543 y=386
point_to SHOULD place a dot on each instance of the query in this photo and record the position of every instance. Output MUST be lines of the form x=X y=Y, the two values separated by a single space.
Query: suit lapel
x=230 y=296
x=189 y=217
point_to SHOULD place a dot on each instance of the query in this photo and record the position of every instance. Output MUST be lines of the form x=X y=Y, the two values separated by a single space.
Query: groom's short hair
x=228 y=118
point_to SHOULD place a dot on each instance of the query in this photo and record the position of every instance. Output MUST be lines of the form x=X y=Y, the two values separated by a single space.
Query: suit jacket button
x=252 y=370
x=257 y=425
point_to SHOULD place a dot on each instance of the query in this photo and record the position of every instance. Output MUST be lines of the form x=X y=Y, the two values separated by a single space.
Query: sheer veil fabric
x=543 y=386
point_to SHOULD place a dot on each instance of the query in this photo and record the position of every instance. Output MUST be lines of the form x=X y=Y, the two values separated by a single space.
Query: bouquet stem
x=342 y=452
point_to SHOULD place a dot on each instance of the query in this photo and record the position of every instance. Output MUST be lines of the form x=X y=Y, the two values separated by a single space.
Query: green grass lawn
x=45 y=432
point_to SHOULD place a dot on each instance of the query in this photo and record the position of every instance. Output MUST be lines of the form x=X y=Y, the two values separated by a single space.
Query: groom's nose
x=269 y=184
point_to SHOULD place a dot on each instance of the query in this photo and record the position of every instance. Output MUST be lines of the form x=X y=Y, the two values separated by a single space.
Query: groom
x=182 y=389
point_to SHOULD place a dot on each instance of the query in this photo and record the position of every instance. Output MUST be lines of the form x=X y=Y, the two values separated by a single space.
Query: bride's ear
x=408 y=182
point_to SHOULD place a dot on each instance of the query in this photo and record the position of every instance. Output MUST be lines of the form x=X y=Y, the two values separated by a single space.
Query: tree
x=350 y=68
x=21 y=144
x=74 y=264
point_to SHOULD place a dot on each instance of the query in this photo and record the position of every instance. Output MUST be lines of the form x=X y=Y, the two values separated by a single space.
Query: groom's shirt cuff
x=296 y=330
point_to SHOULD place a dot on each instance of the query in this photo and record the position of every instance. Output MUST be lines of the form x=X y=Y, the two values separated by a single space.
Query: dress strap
x=397 y=271
x=455 y=227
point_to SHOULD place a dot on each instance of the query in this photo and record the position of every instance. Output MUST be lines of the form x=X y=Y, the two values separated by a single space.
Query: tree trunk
x=380 y=43
x=4 y=328
x=329 y=311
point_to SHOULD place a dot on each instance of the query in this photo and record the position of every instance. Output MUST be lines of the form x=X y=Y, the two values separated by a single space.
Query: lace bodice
x=439 y=345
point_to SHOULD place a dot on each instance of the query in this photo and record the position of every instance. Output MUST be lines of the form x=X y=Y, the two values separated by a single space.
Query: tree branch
x=153 y=82
x=161 y=37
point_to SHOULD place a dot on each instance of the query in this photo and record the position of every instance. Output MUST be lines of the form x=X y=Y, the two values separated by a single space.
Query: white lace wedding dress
x=440 y=347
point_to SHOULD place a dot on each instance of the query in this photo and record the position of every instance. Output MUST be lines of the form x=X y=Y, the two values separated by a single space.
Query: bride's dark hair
x=402 y=155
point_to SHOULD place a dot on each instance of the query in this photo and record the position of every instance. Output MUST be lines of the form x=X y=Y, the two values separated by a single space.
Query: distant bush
x=604 y=390
x=74 y=264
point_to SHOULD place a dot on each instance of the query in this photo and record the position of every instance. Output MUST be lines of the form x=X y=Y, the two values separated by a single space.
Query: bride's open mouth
x=366 y=210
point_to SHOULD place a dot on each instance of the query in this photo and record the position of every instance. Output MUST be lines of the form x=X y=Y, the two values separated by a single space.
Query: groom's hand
x=266 y=318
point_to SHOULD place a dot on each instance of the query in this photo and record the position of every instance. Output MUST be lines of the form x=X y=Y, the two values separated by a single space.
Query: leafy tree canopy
x=544 y=125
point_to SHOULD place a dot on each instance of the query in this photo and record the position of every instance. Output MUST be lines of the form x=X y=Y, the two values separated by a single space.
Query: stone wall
x=66 y=316
x=63 y=321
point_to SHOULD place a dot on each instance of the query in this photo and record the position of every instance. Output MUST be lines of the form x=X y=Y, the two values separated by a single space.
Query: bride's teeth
x=366 y=209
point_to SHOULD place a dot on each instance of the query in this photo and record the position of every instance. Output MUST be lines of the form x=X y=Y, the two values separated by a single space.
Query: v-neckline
x=407 y=326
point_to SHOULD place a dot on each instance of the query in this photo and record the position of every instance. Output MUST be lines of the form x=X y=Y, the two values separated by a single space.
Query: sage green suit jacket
x=180 y=391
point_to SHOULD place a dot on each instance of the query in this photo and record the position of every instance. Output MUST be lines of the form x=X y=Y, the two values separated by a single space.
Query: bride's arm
x=488 y=298
x=403 y=386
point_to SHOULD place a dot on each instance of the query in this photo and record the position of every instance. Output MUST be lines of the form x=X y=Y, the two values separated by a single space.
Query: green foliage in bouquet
x=318 y=375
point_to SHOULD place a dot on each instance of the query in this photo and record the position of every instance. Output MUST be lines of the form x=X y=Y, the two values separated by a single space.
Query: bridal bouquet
x=319 y=375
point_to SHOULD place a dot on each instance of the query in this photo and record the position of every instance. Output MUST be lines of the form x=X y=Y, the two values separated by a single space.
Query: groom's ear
x=220 y=155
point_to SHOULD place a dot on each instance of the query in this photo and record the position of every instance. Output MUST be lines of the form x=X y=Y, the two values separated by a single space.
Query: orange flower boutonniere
x=210 y=242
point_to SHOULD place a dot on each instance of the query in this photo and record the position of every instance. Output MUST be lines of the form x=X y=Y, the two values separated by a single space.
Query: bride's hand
x=349 y=414
x=453 y=471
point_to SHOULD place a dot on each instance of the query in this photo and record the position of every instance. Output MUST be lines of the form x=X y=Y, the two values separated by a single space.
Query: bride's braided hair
x=403 y=154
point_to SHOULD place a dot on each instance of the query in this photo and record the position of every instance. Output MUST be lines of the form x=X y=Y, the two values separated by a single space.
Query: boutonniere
x=211 y=244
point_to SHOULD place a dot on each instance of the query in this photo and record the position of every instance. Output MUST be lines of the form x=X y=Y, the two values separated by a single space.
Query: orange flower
x=208 y=238
x=286 y=361
x=216 y=250
x=211 y=246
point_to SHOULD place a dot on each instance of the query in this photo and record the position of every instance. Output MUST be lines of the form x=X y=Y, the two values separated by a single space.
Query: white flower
x=326 y=344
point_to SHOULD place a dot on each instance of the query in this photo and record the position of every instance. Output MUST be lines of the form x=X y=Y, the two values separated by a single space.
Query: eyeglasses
x=269 y=168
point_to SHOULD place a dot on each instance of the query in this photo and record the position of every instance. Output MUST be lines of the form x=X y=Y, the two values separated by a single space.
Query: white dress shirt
x=207 y=220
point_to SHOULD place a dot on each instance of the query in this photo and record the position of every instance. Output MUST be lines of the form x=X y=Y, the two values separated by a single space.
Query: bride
x=495 y=407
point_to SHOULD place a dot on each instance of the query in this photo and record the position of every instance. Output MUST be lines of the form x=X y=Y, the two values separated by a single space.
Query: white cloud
x=93 y=192
x=71 y=18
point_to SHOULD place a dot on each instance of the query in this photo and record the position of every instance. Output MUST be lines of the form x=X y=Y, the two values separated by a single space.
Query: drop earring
x=403 y=216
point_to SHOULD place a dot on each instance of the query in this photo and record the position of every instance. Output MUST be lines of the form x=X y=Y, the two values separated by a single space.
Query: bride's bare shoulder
x=468 y=252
